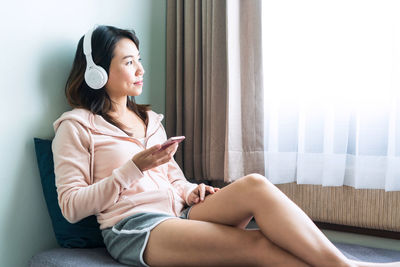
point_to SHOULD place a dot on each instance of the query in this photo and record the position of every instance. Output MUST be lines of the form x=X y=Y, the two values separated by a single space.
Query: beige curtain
x=214 y=92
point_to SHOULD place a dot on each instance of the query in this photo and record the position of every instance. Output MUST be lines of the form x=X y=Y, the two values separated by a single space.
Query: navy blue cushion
x=83 y=234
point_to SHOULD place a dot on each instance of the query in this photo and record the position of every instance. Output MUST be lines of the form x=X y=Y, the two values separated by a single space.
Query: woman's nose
x=140 y=70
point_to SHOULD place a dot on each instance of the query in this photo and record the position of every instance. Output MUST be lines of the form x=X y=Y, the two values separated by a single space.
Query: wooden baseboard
x=358 y=230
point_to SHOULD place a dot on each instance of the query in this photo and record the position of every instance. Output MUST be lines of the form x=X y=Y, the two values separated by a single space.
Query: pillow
x=83 y=234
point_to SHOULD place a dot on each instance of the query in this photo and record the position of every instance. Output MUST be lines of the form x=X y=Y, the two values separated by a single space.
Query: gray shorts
x=127 y=240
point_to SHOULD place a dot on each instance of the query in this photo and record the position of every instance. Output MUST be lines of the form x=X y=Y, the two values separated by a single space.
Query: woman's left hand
x=200 y=192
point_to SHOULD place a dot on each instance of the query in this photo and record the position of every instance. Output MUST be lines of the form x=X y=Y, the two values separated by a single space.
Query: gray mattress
x=73 y=257
x=100 y=257
x=361 y=253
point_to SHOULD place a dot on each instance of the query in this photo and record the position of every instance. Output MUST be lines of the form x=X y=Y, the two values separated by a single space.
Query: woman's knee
x=255 y=188
x=254 y=180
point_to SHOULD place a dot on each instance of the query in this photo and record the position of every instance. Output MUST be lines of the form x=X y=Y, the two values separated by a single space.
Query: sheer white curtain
x=332 y=86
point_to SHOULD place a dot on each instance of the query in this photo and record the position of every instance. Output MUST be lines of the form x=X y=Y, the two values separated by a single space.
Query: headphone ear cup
x=96 y=77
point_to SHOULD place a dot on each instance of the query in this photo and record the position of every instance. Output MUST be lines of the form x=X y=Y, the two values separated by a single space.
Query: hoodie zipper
x=173 y=201
x=144 y=147
x=153 y=133
x=151 y=178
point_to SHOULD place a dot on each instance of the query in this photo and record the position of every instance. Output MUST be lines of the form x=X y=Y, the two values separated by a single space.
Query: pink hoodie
x=95 y=173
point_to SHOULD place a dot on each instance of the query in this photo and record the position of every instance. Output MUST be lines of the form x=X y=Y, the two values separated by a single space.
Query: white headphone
x=95 y=76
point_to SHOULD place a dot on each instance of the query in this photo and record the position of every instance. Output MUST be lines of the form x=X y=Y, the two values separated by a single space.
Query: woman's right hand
x=150 y=158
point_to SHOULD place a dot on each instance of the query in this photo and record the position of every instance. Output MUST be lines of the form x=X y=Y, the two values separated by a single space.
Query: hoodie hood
x=98 y=124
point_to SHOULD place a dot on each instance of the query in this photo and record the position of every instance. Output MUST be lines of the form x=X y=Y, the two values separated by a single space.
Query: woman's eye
x=129 y=63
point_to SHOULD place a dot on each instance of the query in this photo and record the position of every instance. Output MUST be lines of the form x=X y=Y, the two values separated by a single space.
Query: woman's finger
x=202 y=191
x=152 y=150
x=193 y=197
x=210 y=189
x=172 y=148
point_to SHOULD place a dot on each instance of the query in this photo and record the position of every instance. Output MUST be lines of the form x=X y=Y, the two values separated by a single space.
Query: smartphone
x=170 y=141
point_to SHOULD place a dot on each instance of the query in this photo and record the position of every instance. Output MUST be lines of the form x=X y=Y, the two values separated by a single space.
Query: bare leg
x=178 y=242
x=279 y=219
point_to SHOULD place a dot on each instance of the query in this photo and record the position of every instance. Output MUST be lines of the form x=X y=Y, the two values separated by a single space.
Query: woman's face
x=125 y=77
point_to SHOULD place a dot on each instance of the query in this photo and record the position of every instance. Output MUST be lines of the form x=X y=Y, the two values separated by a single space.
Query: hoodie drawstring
x=91 y=140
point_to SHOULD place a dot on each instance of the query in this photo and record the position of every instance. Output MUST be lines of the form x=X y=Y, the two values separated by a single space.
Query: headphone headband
x=87 y=46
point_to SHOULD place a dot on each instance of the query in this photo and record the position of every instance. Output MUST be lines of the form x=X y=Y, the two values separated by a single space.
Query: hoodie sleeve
x=77 y=197
x=178 y=180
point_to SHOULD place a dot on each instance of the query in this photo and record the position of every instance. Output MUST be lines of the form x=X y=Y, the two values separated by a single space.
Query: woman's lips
x=139 y=83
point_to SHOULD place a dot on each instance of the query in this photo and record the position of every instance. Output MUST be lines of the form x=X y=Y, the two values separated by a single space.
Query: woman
x=108 y=162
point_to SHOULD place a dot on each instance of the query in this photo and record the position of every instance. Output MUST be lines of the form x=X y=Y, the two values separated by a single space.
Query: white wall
x=37 y=44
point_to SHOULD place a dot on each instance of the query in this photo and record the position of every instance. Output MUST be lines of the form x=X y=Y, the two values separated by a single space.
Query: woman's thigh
x=179 y=242
x=232 y=205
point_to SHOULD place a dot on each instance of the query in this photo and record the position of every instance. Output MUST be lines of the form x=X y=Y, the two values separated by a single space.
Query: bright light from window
x=342 y=51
